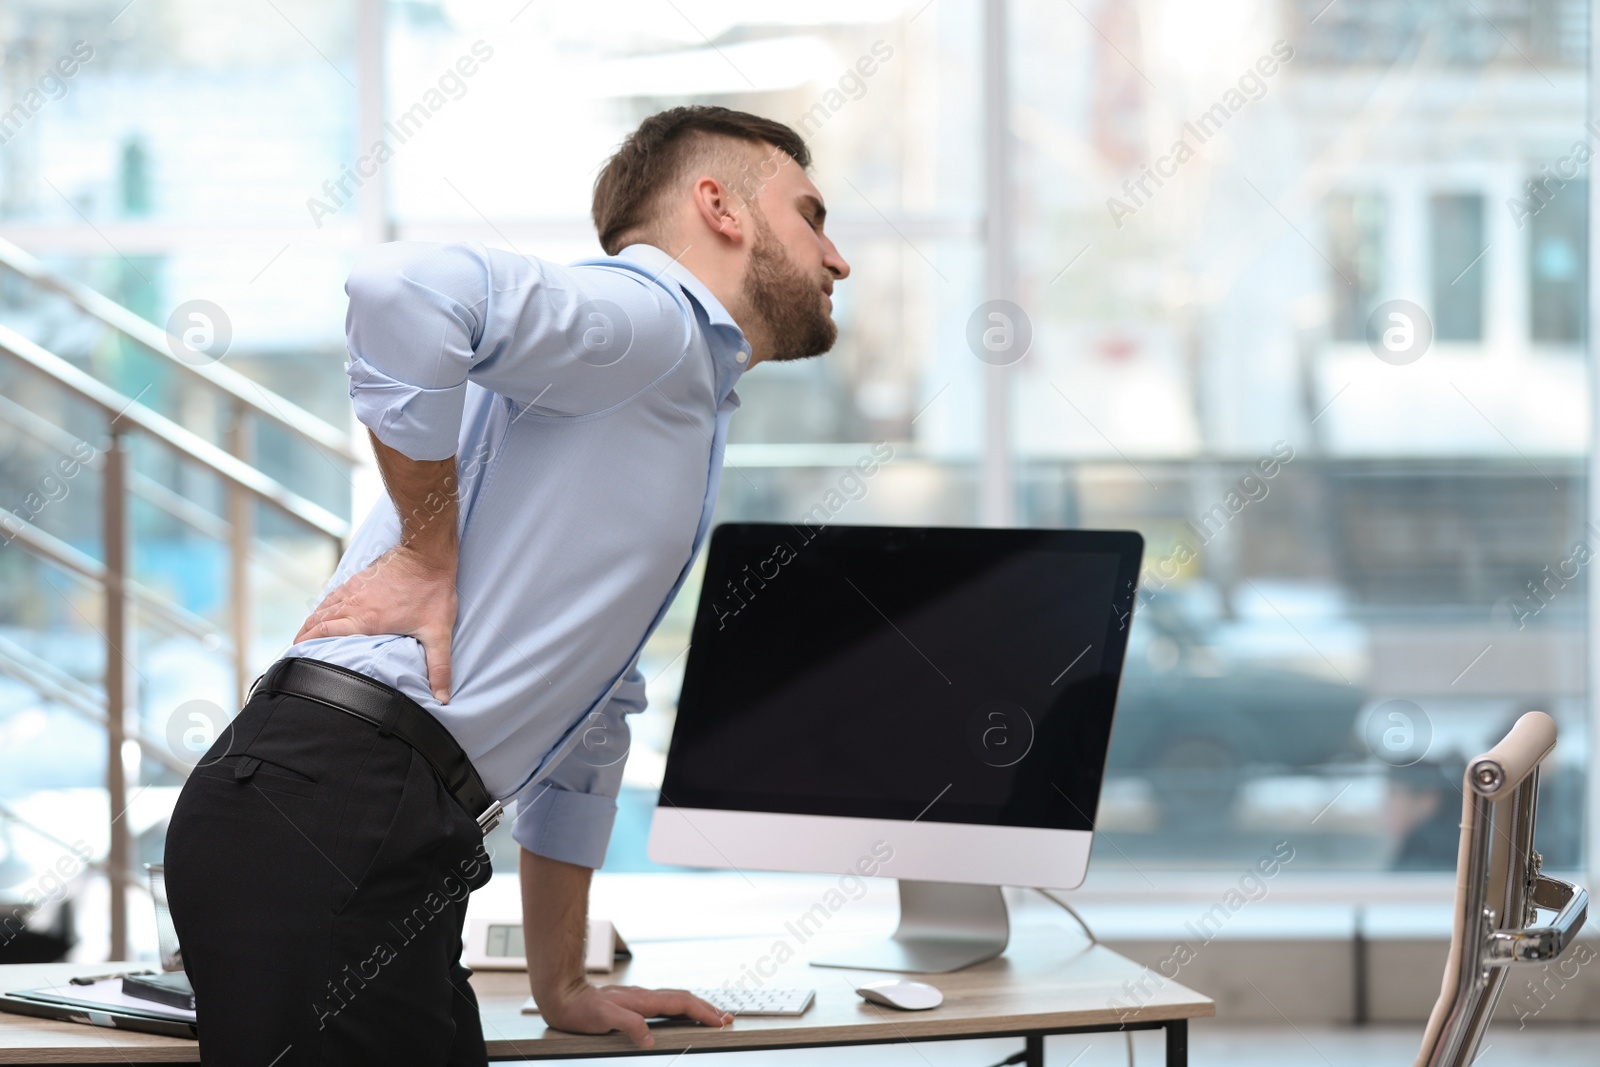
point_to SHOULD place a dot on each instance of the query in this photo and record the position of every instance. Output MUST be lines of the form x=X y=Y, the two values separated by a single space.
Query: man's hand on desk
x=555 y=905
x=400 y=593
x=589 y=1009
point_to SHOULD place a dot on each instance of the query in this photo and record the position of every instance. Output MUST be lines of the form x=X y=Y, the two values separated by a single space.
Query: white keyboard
x=740 y=1001
x=758 y=1001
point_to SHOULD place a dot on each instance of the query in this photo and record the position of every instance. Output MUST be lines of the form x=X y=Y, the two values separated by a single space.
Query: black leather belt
x=392 y=712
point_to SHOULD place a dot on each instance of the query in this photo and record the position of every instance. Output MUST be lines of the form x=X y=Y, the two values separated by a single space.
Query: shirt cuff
x=562 y=825
x=421 y=424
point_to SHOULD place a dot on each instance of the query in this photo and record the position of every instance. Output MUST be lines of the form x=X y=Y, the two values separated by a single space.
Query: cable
x=1018 y=1057
x=1070 y=910
x=1093 y=940
x=1014 y=1058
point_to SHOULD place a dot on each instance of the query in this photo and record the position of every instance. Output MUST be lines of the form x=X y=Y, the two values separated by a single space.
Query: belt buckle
x=491 y=817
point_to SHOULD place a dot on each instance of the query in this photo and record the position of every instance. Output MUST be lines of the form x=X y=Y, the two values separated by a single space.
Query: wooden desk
x=1048 y=982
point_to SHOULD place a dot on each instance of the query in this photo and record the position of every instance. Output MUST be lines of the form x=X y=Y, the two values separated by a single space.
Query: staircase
x=150 y=567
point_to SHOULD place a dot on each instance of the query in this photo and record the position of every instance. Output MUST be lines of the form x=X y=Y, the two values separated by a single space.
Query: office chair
x=1498 y=886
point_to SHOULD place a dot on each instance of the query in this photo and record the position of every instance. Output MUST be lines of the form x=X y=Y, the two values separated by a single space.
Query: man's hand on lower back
x=589 y=1009
x=400 y=593
x=410 y=589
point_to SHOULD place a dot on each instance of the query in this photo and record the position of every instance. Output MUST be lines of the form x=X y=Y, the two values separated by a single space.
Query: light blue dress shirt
x=587 y=406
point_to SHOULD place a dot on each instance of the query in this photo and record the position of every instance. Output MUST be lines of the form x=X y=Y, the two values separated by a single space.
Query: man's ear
x=719 y=210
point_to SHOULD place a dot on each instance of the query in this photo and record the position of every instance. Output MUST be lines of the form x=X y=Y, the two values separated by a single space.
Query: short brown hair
x=630 y=187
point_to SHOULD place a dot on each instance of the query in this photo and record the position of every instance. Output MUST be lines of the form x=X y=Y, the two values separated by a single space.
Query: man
x=551 y=440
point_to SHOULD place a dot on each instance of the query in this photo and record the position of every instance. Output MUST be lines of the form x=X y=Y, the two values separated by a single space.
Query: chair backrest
x=1498 y=889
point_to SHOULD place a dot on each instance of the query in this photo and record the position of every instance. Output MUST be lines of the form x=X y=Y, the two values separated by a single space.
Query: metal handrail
x=189 y=444
x=242 y=482
x=9 y=814
x=237 y=387
x=63 y=555
x=80 y=699
x=69 y=446
x=143 y=486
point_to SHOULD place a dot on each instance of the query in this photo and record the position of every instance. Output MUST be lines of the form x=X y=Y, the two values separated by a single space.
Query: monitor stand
x=943 y=927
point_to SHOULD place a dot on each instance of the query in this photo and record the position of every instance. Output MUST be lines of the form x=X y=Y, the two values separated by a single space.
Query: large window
x=1558 y=240
x=1289 y=321
x=1301 y=289
x=1355 y=225
x=1456 y=253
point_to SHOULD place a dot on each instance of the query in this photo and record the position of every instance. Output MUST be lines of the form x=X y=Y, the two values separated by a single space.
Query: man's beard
x=786 y=300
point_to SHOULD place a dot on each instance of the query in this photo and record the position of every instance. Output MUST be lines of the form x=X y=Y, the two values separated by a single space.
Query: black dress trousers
x=318 y=874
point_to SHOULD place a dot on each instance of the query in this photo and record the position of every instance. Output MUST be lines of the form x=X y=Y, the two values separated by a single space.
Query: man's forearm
x=555 y=918
x=424 y=495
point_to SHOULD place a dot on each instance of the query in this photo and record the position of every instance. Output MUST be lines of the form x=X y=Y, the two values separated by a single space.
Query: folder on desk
x=101 y=1003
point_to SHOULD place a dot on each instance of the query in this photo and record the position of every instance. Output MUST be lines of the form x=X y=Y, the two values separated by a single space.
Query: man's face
x=792 y=266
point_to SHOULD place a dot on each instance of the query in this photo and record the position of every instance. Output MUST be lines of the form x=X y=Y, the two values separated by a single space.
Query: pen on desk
x=92 y=979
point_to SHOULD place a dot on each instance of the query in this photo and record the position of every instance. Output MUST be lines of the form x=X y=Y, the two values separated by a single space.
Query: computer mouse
x=902 y=994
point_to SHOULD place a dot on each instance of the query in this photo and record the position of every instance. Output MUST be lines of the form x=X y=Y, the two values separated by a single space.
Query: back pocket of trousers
x=253 y=771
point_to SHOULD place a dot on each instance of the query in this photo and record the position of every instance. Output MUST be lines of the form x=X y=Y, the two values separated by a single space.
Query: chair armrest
x=1540 y=944
x=1501 y=769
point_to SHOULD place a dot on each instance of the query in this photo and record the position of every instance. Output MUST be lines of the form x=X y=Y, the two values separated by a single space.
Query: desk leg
x=1033 y=1050
x=1178 y=1043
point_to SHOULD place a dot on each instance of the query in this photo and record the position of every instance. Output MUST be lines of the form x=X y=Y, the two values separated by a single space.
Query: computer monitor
x=932 y=705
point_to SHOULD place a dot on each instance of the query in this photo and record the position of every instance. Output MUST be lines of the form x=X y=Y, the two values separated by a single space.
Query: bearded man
x=551 y=439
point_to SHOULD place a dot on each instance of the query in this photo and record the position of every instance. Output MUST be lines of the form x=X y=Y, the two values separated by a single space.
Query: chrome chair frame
x=1499 y=887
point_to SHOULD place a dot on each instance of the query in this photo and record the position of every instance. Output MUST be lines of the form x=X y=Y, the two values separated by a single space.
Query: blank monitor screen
x=946 y=675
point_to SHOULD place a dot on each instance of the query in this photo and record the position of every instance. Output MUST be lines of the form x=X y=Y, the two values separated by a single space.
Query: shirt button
x=741 y=355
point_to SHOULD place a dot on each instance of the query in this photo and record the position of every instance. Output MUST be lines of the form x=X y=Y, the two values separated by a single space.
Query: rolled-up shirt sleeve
x=425 y=319
x=568 y=814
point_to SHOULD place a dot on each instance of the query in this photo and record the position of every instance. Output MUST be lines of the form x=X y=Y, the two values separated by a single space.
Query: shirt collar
x=658 y=263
